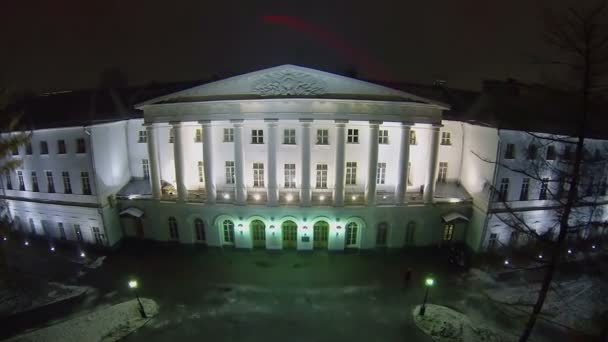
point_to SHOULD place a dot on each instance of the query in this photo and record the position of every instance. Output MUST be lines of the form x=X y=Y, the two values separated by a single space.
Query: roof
x=454 y=216
x=132 y=211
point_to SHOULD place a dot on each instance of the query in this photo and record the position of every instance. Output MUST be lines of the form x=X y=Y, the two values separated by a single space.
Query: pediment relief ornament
x=288 y=83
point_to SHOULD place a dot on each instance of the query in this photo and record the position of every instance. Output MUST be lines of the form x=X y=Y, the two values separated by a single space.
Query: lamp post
x=133 y=285
x=428 y=283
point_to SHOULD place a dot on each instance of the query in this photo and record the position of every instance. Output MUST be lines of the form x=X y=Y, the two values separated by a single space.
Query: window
x=145 y=166
x=258 y=175
x=171 y=135
x=28 y=148
x=510 y=151
x=21 y=182
x=80 y=146
x=492 y=241
x=413 y=140
x=351 y=234
x=381 y=173
x=50 y=182
x=410 y=232
x=446 y=138
x=9 y=181
x=61 y=147
x=86 y=185
x=525 y=189
x=322 y=137
x=290 y=175
x=199 y=229
x=544 y=185
x=353 y=136
x=228 y=134
x=383 y=136
x=589 y=190
x=198 y=135
x=228 y=231
x=550 y=152
x=15 y=150
x=443 y=172
x=257 y=136
x=514 y=238
x=532 y=151
x=230 y=172
x=78 y=233
x=503 y=191
x=381 y=234
x=201 y=172
x=351 y=173
x=67 y=186
x=35 y=187
x=448 y=232
x=289 y=136
x=410 y=181
x=44 y=147
x=61 y=231
x=97 y=235
x=321 y=176
x=32 y=227
x=567 y=153
x=143 y=137
x=603 y=188
x=173 y=232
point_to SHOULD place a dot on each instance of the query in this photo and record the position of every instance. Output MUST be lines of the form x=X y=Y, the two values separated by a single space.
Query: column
x=208 y=161
x=429 y=184
x=153 y=160
x=241 y=190
x=340 y=163
x=305 y=192
x=272 y=188
x=403 y=166
x=178 y=155
x=370 y=187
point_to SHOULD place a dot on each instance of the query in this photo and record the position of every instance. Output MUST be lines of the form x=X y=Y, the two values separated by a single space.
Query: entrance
x=351 y=234
x=258 y=234
x=320 y=233
x=381 y=235
x=290 y=234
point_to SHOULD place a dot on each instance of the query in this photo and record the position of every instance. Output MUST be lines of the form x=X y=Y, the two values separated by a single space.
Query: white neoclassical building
x=282 y=158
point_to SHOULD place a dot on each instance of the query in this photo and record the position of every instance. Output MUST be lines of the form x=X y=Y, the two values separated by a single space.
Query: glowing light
x=27 y=243
x=454 y=200
x=321 y=198
x=506 y=261
x=384 y=197
x=429 y=282
x=592 y=246
x=540 y=256
x=133 y=284
x=52 y=249
x=354 y=197
x=569 y=251
x=289 y=197
x=256 y=197
x=82 y=255
x=4 y=238
x=226 y=196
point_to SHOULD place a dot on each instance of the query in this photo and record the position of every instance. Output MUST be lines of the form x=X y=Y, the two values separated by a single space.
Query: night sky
x=64 y=44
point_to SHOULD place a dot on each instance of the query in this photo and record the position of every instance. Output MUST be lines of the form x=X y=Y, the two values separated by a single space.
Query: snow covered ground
x=446 y=325
x=14 y=301
x=107 y=324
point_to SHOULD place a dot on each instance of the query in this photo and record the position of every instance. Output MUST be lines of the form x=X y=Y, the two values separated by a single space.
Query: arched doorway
x=320 y=234
x=258 y=233
x=290 y=234
x=352 y=231
x=228 y=232
x=381 y=234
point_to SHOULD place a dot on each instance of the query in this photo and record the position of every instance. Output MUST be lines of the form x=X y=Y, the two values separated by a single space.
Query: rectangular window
x=351 y=173
x=532 y=151
x=143 y=136
x=15 y=150
x=20 y=179
x=28 y=148
x=201 y=172
x=322 y=137
x=492 y=241
x=544 y=185
x=567 y=153
x=503 y=191
x=228 y=134
x=86 y=184
x=353 y=136
x=78 y=233
x=97 y=235
x=321 y=176
x=145 y=166
x=44 y=147
x=413 y=140
x=290 y=175
x=171 y=135
x=230 y=172
x=410 y=232
x=258 y=175
x=198 y=135
x=173 y=232
x=381 y=173
x=550 y=152
x=80 y=146
x=590 y=186
x=383 y=136
x=448 y=232
x=35 y=187
x=510 y=151
x=410 y=180
x=61 y=147
x=289 y=136
x=50 y=182
x=443 y=172
x=32 y=226
x=61 y=231
x=9 y=181
x=67 y=186
x=446 y=138
x=257 y=136
x=525 y=189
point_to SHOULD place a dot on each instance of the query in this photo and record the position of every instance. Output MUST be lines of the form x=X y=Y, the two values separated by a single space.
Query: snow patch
x=95 y=263
x=13 y=301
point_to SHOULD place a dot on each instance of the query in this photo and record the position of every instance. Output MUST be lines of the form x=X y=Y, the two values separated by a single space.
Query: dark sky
x=63 y=44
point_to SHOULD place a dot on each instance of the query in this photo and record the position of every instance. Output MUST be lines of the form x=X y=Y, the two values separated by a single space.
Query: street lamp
x=428 y=283
x=133 y=285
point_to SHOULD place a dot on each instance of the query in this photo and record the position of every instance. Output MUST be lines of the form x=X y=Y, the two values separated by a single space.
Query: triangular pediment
x=288 y=81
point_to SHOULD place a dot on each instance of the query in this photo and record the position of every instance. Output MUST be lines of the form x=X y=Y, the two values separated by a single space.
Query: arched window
x=173 y=232
x=228 y=228
x=381 y=234
x=351 y=234
x=199 y=228
x=410 y=232
x=320 y=234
